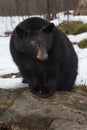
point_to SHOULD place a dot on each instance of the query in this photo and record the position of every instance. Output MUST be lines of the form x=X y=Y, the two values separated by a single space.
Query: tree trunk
x=48 y=9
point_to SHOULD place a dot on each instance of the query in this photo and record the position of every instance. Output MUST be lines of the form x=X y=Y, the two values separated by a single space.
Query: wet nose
x=42 y=54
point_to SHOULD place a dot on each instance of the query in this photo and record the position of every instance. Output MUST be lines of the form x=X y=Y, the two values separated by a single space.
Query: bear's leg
x=47 y=89
x=24 y=74
x=34 y=86
x=28 y=77
x=49 y=80
x=42 y=87
x=48 y=84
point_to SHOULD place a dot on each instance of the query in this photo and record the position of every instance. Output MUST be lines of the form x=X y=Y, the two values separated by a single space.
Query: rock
x=4 y=126
x=20 y=109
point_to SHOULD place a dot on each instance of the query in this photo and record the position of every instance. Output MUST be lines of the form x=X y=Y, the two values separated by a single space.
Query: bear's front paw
x=43 y=93
x=46 y=93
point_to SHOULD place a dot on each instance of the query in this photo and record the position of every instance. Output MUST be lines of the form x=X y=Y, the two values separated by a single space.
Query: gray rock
x=22 y=110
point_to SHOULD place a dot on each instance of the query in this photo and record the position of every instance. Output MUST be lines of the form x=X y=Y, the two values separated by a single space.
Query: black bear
x=44 y=55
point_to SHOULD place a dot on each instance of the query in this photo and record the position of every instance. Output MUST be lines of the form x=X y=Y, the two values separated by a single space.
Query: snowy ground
x=7 y=65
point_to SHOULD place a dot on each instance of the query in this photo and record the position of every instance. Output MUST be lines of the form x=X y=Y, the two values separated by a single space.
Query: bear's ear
x=21 y=32
x=48 y=28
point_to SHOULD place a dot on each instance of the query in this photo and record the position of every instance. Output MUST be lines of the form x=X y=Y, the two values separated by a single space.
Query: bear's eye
x=33 y=43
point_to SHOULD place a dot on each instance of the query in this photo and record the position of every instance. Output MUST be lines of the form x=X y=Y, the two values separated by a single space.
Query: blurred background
x=47 y=8
x=12 y=12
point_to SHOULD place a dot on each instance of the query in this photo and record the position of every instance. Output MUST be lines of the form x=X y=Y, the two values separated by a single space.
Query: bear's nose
x=42 y=54
x=45 y=57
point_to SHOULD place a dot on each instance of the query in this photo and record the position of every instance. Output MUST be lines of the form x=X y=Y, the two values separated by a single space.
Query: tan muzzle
x=42 y=54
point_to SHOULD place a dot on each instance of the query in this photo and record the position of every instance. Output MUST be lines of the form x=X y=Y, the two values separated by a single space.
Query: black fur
x=56 y=67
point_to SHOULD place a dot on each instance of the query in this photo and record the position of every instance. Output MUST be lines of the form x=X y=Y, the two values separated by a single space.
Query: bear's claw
x=43 y=94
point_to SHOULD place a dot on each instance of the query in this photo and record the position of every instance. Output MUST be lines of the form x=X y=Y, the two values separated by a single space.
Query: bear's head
x=36 y=43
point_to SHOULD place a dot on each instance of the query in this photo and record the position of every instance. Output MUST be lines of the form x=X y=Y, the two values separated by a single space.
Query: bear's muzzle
x=42 y=54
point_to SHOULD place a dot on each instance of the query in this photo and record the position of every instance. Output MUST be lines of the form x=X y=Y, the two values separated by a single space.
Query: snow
x=61 y=17
x=77 y=38
x=82 y=66
x=9 y=23
x=12 y=83
x=7 y=65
